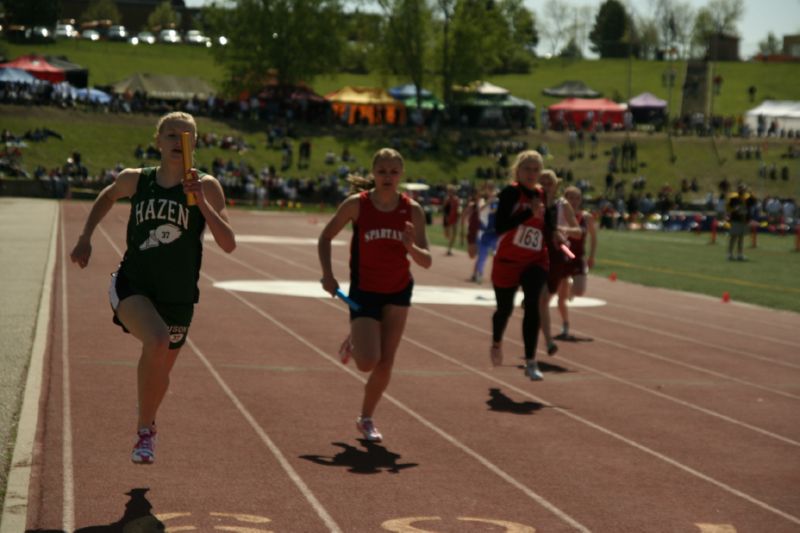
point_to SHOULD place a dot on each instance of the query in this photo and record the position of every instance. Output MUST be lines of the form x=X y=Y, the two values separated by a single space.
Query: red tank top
x=378 y=259
x=524 y=244
x=577 y=244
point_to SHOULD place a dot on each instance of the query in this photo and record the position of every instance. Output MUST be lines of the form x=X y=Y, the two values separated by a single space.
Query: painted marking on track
x=423 y=294
x=716 y=528
x=405 y=525
x=275 y=239
x=68 y=497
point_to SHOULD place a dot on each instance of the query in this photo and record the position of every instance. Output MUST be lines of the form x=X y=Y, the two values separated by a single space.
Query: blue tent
x=93 y=95
x=409 y=90
x=16 y=75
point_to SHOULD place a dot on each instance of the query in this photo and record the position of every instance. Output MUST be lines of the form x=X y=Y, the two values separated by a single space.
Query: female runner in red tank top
x=388 y=228
x=524 y=232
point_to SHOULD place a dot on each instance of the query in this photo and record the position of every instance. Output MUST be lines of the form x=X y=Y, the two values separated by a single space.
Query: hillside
x=106 y=140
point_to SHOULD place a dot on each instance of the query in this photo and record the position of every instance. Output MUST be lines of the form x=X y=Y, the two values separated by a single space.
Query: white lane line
x=68 y=503
x=291 y=472
x=270 y=444
x=425 y=422
x=701 y=369
x=672 y=318
x=684 y=338
x=599 y=339
x=723 y=313
x=611 y=433
x=624 y=381
x=15 y=505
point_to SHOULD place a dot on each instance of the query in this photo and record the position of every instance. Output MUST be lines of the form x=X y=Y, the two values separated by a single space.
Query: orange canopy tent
x=373 y=105
x=39 y=67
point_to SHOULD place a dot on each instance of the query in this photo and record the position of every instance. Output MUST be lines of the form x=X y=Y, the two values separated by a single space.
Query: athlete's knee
x=157 y=343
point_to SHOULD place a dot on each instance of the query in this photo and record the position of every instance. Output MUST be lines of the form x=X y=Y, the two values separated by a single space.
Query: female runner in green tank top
x=154 y=291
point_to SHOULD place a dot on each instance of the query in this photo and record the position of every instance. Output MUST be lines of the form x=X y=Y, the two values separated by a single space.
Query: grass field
x=687 y=262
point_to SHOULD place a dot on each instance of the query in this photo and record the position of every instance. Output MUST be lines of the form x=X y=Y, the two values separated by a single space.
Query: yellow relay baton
x=186 y=148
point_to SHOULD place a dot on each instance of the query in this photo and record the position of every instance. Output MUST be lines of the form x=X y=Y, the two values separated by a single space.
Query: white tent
x=786 y=112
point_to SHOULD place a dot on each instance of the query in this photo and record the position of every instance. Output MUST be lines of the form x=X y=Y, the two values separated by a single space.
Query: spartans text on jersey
x=383 y=233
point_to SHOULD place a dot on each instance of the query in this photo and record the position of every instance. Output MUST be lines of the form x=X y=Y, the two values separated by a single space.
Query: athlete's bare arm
x=122 y=187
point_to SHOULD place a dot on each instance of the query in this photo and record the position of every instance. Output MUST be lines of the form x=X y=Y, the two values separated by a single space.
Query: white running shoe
x=144 y=452
x=532 y=371
x=367 y=428
x=346 y=350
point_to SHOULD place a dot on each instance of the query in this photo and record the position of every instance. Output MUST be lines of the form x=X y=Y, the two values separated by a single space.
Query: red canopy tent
x=38 y=67
x=576 y=110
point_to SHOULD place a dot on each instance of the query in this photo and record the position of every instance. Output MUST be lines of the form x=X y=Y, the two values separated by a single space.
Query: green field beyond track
x=687 y=262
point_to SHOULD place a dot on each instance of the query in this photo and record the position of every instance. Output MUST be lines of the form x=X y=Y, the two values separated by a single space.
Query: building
x=791 y=45
x=723 y=47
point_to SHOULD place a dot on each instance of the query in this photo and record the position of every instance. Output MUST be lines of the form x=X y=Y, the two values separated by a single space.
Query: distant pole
x=670 y=82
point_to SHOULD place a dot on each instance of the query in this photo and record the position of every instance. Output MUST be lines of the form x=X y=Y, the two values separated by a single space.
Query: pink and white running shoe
x=367 y=428
x=144 y=453
x=346 y=350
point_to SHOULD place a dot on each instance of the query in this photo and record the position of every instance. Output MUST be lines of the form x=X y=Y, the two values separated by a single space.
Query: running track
x=681 y=415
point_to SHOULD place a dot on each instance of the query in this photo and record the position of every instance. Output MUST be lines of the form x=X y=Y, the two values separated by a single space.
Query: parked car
x=117 y=33
x=143 y=37
x=169 y=36
x=66 y=31
x=90 y=35
x=39 y=34
x=196 y=37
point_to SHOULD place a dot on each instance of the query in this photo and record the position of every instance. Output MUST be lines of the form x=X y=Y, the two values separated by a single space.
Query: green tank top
x=164 y=242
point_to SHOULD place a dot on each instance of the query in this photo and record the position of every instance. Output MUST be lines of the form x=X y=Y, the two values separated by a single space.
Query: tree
x=726 y=14
x=770 y=45
x=32 y=12
x=406 y=42
x=475 y=35
x=291 y=40
x=163 y=16
x=571 y=50
x=613 y=30
x=102 y=10
x=520 y=36
x=447 y=10
x=704 y=28
x=673 y=20
x=555 y=20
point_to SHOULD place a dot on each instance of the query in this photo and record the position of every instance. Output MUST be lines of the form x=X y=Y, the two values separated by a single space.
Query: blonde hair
x=550 y=175
x=523 y=157
x=572 y=190
x=359 y=183
x=176 y=115
x=387 y=153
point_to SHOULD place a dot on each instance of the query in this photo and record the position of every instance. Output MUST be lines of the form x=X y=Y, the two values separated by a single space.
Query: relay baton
x=186 y=148
x=346 y=299
x=567 y=251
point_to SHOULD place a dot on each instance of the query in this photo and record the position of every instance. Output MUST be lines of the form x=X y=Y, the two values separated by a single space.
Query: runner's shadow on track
x=501 y=403
x=572 y=338
x=373 y=460
x=137 y=517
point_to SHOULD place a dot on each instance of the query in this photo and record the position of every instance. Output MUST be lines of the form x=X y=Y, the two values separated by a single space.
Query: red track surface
x=680 y=415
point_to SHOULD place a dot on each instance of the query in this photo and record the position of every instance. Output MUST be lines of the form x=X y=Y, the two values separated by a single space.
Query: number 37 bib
x=529 y=238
